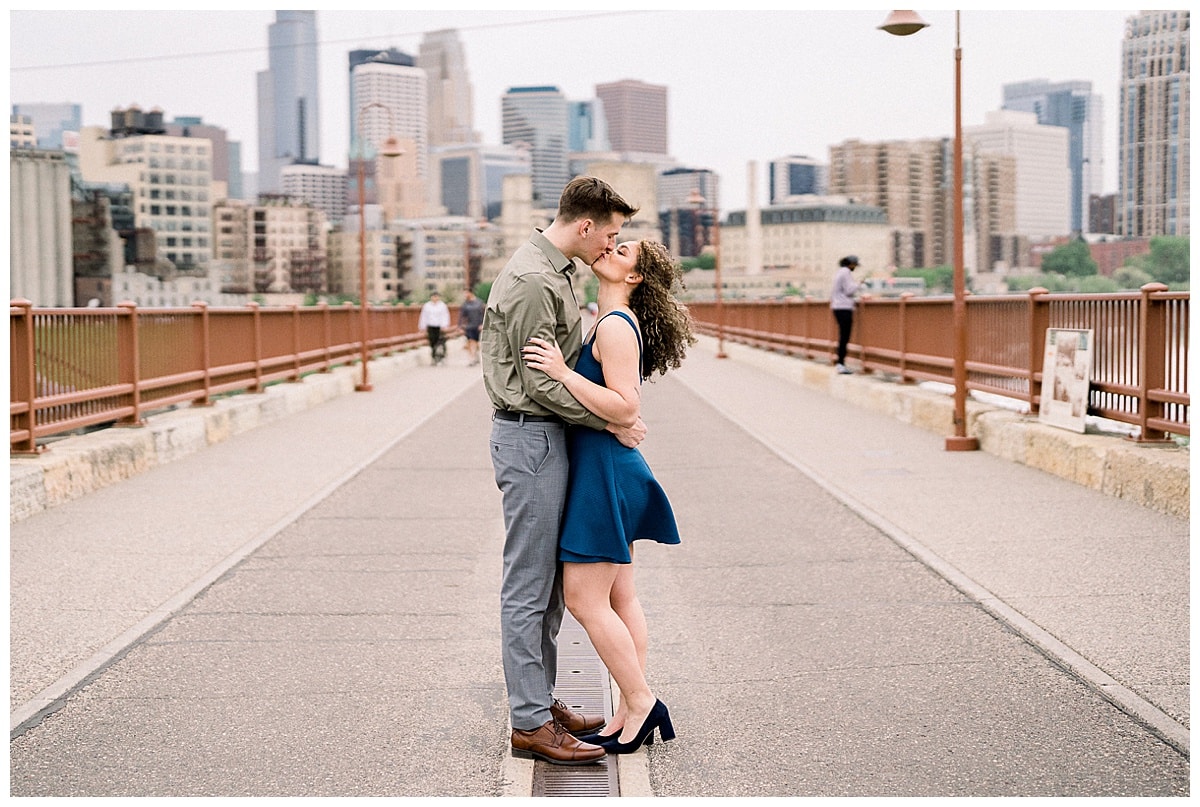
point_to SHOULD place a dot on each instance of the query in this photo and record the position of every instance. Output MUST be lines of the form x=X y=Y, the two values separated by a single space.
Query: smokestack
x=753 y=222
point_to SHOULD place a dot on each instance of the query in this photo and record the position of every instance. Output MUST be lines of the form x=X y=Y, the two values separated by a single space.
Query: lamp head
x=391 y=147
x=903 y=23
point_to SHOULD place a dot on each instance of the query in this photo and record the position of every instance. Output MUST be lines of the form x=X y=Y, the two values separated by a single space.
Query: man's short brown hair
x=591 y=198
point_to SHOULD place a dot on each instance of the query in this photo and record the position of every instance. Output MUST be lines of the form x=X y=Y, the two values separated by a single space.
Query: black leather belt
x=521 y=417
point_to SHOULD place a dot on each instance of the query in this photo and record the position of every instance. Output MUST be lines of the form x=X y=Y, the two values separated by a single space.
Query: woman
x=841 y=302
x=613 y=498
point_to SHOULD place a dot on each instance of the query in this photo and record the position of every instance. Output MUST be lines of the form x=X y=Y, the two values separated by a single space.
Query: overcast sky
x=743 y=85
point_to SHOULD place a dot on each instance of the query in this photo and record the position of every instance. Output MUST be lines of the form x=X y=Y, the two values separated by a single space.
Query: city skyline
x=848 y=80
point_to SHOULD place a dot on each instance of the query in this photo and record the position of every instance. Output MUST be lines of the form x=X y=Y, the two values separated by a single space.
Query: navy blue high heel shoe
x=659 y=718
x=601 y=739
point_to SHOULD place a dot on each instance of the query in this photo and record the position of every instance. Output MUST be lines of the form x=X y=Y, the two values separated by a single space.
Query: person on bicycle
x=434 y=317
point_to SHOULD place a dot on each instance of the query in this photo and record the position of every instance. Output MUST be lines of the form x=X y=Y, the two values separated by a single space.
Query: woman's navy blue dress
x=613 y=498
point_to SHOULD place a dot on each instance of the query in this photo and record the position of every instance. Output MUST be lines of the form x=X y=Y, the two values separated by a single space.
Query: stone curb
x=1154 y=476
x=76 y=466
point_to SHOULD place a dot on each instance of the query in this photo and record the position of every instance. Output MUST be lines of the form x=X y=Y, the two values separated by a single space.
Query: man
x=533 y=296
x=470 y=319
x=434 y=317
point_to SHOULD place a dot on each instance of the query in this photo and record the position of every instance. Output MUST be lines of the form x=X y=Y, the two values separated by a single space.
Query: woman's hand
x=545 y=356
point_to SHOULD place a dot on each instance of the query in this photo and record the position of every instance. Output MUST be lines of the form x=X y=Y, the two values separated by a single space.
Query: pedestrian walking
x=841 y=302
x=435 y=316
x=613 y=498
x=470 y=319
x=533 y=297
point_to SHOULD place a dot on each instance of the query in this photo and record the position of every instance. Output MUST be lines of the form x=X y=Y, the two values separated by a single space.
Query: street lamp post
x=697 y=199
x=390 y=148
x=904 y=23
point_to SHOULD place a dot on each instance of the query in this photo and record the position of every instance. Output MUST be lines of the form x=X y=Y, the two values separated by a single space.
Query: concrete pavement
x=296 y=610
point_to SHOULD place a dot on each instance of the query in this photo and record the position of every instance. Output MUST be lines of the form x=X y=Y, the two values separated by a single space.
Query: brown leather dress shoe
x=574 y=722
x=552 y=743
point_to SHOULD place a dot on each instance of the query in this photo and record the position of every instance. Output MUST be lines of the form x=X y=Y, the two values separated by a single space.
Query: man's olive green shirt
x=533 y=296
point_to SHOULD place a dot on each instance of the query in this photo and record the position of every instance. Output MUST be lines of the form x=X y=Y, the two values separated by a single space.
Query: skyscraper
x=536 y=117
x=1072 y=105
x=357 y=57
x=1153 y=175
x=288 y=109
x=636 y=114
x=587 y=129
x=391 y=99
x=451 y=106
x=402 y=92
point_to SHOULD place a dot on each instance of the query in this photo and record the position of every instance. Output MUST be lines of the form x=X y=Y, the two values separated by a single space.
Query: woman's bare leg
x=625 y=602
x=628 y=607
x=588 y=589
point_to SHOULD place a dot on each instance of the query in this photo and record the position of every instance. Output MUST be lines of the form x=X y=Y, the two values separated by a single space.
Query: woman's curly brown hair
x=666 y=323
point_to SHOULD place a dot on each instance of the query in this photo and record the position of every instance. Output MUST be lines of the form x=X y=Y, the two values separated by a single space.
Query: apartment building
x=1154 y=148
x=1042 y=160
x=385 y=253
x=912 y=182
x=275 y=246
x=322 y=186
x=170 y=177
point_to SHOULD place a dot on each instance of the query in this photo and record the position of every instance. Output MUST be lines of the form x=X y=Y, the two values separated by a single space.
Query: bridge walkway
x=309 y=608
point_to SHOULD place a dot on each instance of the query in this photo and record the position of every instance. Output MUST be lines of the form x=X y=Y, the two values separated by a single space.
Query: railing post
x=861 y=319
x=903 y=317
x=327 y=323
x=809 y=353
x=388 y=322
x=205 y=339
x=24 y=390
x=129 y=357
x=295 y=343
x=256 y=322
x=1039 y=322
x=1152 y=359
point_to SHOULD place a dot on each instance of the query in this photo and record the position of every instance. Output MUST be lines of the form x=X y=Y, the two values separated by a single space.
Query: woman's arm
x=619 y=401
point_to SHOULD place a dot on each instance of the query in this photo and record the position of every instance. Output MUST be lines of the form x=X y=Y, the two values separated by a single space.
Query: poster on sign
x=1066 y=378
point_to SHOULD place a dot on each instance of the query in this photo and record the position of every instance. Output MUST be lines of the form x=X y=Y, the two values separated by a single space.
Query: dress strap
x=632 y=324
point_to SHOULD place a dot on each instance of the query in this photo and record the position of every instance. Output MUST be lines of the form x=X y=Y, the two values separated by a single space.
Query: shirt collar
x=558 y=260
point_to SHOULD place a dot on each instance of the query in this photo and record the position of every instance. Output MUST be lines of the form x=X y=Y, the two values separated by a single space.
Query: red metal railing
x=1139 y=373
x=71 y=368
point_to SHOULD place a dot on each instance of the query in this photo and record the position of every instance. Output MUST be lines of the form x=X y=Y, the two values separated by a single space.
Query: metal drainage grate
x=582 y=684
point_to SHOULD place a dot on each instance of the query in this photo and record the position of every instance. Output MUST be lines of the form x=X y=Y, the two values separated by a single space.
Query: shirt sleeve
x=533 y=312
x=846 y=284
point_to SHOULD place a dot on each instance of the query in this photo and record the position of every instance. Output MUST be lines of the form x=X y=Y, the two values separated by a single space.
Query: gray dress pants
x=530 y=461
